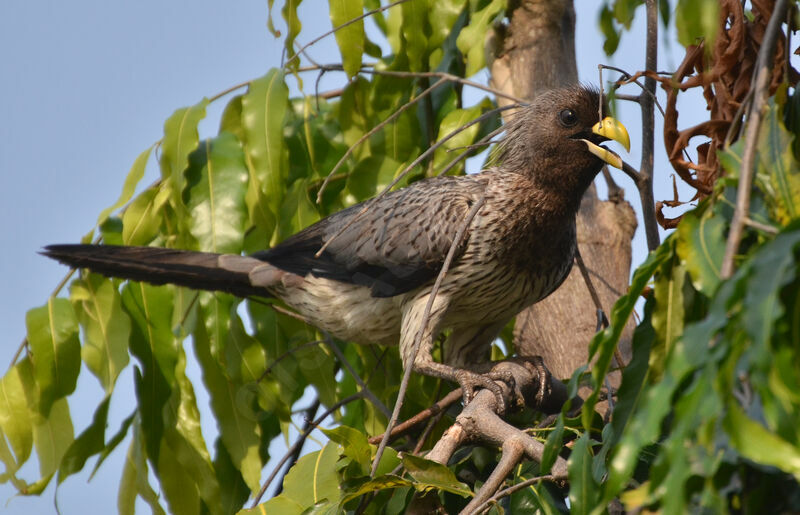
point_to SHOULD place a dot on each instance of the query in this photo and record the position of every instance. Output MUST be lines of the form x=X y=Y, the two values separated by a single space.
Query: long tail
x=239 y=275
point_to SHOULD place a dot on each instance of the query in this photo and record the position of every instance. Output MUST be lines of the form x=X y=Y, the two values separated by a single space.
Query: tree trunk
x=533 y=53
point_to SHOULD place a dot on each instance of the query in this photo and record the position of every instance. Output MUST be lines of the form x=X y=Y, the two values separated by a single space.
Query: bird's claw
x=469 y=381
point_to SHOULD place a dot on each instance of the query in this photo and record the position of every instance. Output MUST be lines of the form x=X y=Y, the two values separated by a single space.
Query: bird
x=373 y=278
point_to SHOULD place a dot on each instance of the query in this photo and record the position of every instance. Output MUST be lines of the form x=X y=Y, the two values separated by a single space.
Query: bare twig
x=423 y=322
x=648 y=130
x=760 y=88
x=339 y=27
x=514 y=488
x=375 y=129
x=406 y=170
x=761 y=227
x=511 y=456
x=367 y=392
x=299 y=442
x=308 y=422
x=439 y=407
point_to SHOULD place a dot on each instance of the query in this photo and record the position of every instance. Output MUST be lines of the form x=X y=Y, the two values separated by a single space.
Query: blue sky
x=86 y=87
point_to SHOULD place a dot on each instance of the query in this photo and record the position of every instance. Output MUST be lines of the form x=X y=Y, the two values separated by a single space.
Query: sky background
x=87 y=85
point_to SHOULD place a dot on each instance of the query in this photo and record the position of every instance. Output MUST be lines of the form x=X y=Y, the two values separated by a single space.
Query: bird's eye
x=568 y=117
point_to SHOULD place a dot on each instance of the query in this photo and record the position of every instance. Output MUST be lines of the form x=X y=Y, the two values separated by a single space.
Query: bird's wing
x=399 y=244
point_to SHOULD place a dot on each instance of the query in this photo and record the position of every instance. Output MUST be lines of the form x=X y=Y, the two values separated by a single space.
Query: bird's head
x=556 y=140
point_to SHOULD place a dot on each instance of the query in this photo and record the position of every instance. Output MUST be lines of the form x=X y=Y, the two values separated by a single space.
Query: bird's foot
x=535 y=365
x=469 y=381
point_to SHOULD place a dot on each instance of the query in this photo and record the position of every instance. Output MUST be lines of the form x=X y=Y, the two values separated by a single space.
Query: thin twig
x=299 y=442
x=337 y=28
x=375 y=129
x=439 y=407
x=760 y=88
x=514 y=488
x=311 y=411
x=420 y=333
x=369 y=68
x=648 y=130
x=343 y=360
x=286 y=355
x=512 y=453
x=368 y=204
x=761 y=227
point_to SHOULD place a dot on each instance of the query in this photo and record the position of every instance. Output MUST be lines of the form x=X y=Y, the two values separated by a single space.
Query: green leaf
x=773 y=266
x=697 y=19
x=415 y=28
x=778 y=172
x=603 y=344
x=668 y=312
x=113 y=442
x=293 y=26
x=759 y=444
x=470 y=40
x=297 y=211
x=624 y=11
x=239 y=430
x=442 y=16
x=134 y=176
x=106 y=327
x=453 y=121
x=313 y=479
x=384 y=482
x=350 y=38
x=52 y=436
x=135 y=481
x=15 y=419
x=582 y=487
x=56 y=349
x=180 y=139
x=144 y=216
x=609 y=30
x=186 y=474
x=89 y=443
x=280 y=505
x=233 y=489
x=354 y=443
x=216 y=186
x=264 y=108
x=701 y=245
x=430 y=474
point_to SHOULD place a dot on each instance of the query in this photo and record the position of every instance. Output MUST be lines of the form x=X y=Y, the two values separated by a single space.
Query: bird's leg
x=423 y=362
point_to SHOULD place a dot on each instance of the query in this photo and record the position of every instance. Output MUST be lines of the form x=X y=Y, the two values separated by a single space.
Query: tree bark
x=534 y=52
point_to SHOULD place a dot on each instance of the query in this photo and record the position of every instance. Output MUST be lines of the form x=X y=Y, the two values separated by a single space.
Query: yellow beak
x=612 y=129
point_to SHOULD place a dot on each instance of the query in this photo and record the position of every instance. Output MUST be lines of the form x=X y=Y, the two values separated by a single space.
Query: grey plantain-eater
x=372 y=282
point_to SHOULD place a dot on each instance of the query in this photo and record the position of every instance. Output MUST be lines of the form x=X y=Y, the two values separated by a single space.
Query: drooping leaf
x=53 y=338
x=430 y=474
x=350 y=38
x=15 y=419
x=106 y=328
x=90 y=442
x=470 y=40
x=312 y=480
x=144 y=216
x=129 y=186
x=215 y=194
x=701 y=245
x=264 y=108
x=583 y=490
x=695 y=20
x=180 y=139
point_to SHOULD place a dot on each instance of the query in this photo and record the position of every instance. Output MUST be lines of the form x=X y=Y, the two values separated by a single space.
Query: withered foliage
x=724 y=74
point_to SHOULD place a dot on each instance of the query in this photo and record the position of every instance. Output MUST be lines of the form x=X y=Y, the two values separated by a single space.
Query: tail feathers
x=197 y=270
